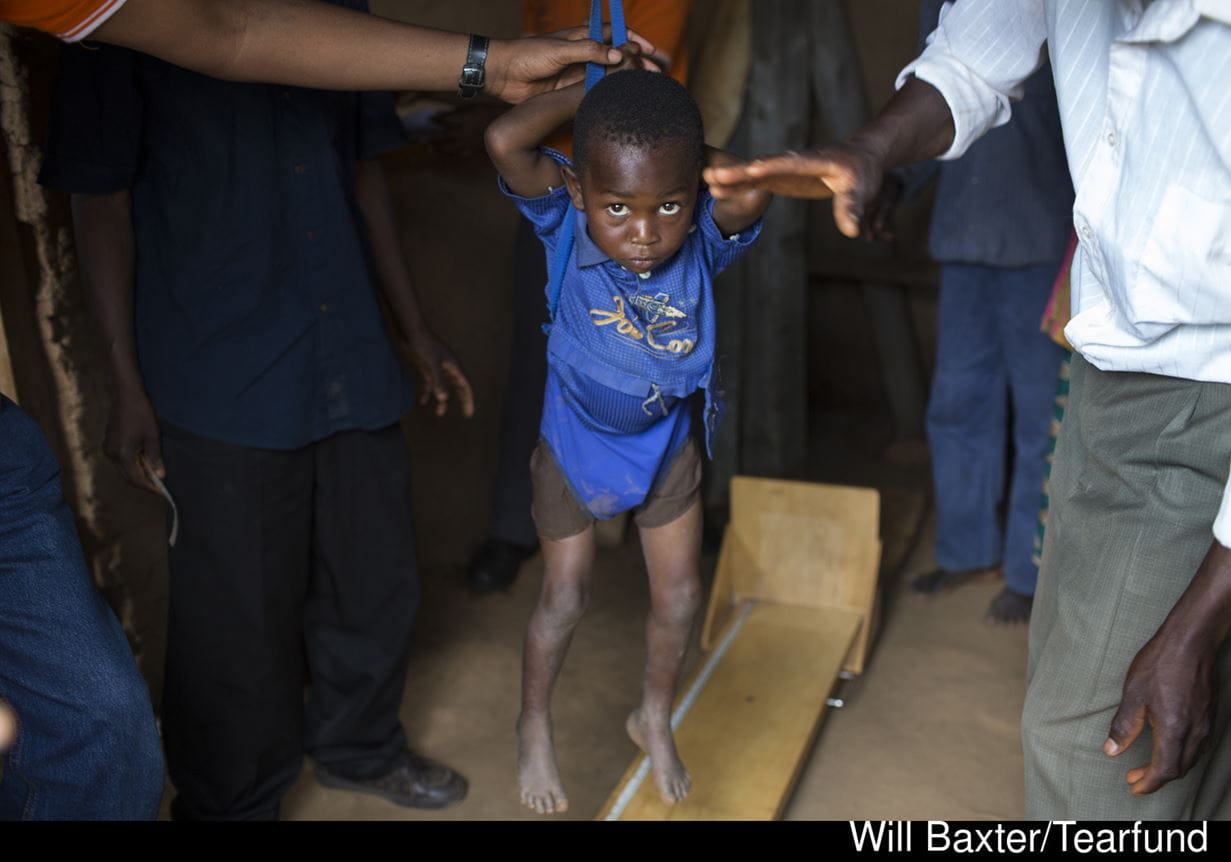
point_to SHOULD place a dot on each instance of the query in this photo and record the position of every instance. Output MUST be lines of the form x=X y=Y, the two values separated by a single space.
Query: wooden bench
x=793 y=606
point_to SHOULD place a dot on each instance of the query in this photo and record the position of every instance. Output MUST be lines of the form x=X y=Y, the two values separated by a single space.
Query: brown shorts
x=558 y=514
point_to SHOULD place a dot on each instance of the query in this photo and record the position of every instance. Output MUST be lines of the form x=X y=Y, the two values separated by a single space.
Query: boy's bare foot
x=655 y=739
x=541 y=790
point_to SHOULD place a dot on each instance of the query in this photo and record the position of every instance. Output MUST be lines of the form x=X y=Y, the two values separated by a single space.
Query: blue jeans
x=86 y=748
x=991 y=354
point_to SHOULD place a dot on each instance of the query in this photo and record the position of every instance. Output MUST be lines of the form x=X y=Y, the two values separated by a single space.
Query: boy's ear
x=574 y=186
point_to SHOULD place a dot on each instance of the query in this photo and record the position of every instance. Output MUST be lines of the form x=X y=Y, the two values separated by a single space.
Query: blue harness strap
x=594 y=74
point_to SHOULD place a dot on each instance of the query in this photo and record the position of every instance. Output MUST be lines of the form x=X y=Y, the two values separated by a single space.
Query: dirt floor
x=930 y=731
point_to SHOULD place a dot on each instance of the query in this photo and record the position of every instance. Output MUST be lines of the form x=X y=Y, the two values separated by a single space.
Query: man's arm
x=312 y=44
x=1171 y=683
x=959 y=88
x=513 y=140
x=915 y=125
x=435 y=362
x=737 y=211
x=106 y=255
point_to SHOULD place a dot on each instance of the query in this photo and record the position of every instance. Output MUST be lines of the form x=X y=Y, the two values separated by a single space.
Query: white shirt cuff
x=976 y=106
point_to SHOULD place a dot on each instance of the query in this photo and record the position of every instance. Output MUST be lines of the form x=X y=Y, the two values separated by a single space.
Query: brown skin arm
x=741 y=208
x=106 y=254
x=513 y=140
x=312 y=44
x=914 y=125
x=1170 y=683
x=438 y=368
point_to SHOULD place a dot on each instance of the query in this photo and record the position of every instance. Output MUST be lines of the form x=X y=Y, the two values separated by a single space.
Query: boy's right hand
x=132 y=439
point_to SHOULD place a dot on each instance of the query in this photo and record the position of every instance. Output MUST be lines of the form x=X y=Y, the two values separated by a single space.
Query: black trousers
x=523 y=393
x=289 y=565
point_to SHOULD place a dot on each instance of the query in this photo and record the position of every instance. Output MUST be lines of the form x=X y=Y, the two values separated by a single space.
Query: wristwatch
x=470 y=84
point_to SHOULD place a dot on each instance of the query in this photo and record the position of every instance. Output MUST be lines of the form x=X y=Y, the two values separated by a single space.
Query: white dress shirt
x=1145 y=102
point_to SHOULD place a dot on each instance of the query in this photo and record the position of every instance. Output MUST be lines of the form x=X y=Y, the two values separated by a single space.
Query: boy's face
x=639 y=205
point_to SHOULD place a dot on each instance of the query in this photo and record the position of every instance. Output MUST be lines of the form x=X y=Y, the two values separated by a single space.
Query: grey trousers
x=1140 y=467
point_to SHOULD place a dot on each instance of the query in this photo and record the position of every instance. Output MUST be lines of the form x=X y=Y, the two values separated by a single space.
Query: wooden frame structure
x=793 y=606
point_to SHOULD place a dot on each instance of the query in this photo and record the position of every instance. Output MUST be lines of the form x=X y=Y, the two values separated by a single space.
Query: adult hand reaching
x=314 y=44
x=850 y=173
x=526 y=67
x=914 y=126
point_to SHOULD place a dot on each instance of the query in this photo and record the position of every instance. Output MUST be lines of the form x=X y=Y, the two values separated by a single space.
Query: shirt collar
x=588 y=252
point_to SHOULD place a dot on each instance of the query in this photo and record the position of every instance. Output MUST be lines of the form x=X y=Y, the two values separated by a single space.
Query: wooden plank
x=752 y=724
x=840 y=101
x=800 y=543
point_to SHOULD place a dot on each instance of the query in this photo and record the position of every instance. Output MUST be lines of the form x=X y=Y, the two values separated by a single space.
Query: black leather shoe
x=415 y=782
x=496 y=564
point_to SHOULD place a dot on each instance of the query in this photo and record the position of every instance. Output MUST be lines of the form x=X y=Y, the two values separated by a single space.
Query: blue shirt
x=256 y=316
x=625 y=351
x=646 y=339
x=1009 y=200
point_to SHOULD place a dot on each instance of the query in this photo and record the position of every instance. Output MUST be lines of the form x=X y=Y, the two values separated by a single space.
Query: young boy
x=632 y=338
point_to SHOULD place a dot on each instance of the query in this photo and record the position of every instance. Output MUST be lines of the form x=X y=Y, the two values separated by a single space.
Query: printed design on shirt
x=656 y=306
x=656 y=335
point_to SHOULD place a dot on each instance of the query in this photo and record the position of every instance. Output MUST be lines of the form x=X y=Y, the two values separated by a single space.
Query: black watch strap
x=470 y=84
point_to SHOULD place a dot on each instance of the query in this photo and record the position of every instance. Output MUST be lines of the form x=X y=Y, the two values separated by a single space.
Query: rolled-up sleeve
x=70 y=20
x=978 y=57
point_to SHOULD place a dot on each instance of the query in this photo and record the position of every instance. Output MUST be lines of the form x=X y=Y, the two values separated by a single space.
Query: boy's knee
x=680 y=603
x=565 y=603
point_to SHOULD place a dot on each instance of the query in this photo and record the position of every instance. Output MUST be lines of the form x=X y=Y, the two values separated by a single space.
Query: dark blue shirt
x=257 y=320
x=1009 y=200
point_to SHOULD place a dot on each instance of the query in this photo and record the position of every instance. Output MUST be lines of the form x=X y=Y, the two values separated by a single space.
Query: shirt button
x=1111 y=139
x=324 y=306
x=643 y=275
x=312 y=234
x=1086 y=232
x=299 y=168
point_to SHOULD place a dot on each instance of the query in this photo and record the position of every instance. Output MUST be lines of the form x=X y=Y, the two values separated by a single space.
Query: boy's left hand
x=439 y=369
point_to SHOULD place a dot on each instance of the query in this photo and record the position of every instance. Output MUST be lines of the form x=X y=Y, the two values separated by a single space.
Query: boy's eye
x=669 y=209
x=617 y=209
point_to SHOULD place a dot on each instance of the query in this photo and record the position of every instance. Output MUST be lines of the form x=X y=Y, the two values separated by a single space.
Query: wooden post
x=773 y=391
x=840 y=101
